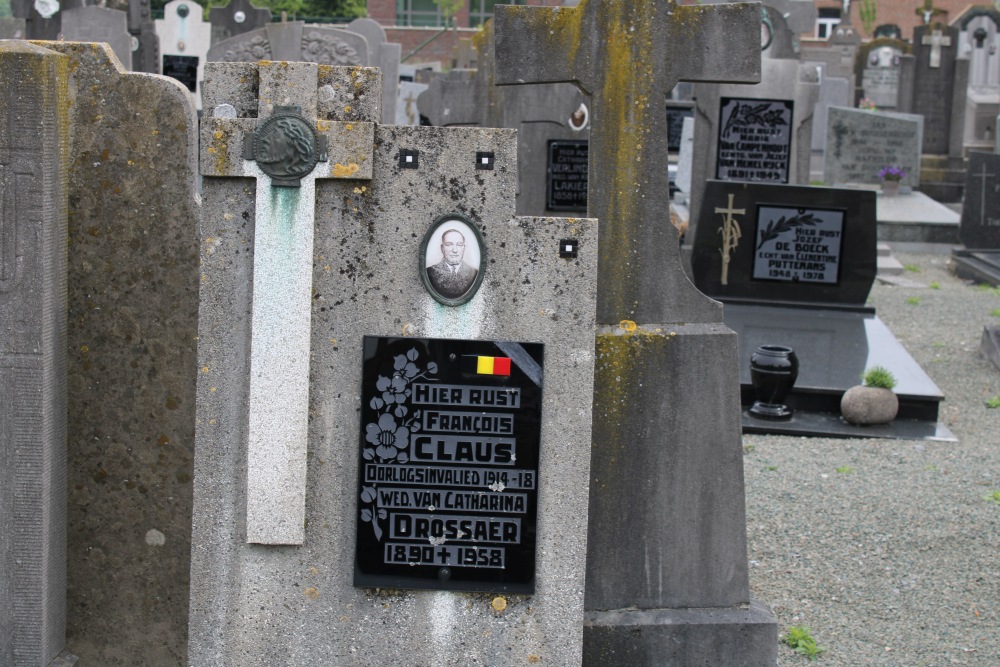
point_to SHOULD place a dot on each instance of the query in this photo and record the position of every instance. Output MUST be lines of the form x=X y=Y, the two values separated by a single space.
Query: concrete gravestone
x=184 y=43
x=34 y=127
x=384 y=55
x=860 y=143
x=146 y=43
x=236 y=18
x=99 y=24
x=877 y=70
x=344 y=298
x=759 y=133
x=12 y=28
x=551 y=119
x=648 y=577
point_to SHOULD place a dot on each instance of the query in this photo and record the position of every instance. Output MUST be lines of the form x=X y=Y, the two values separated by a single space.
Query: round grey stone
x=866 y=406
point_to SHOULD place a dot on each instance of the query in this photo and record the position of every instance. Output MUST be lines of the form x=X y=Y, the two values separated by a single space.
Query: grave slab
x=184 y=43
x=794 y=266
x=373 y=240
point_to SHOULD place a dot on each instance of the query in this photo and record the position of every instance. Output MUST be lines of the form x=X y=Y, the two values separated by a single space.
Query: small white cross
x=935 y=40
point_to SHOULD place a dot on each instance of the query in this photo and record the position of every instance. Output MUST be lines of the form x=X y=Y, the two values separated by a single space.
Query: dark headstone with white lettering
x=784 y=243
x=755 y=140
x=980 y=225
x=675 y=124
x=935 y=50
x=794 y=266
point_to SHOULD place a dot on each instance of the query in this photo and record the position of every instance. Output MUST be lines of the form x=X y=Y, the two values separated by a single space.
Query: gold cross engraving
x=731 y=234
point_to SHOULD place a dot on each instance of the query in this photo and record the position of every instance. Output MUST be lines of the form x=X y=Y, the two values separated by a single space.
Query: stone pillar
x=34 y=138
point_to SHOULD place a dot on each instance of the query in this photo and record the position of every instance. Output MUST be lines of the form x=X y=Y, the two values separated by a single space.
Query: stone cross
x=628 y=55
x=282 y=275
x=928 y=11
x=983 y=175
x=935 y=40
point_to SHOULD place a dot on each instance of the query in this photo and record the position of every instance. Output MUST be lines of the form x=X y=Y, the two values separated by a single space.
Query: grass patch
x=993 y=497
x=913 y=301
x=845 y=470
x=799 y=638
x=912 y=268
x=993 y=402
x=935 y=285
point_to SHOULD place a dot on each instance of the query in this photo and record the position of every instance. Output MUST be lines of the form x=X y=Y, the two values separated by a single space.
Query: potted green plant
x=872 y=402
x=890 y=177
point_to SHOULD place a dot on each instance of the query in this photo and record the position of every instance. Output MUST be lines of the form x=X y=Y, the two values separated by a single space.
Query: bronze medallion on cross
x=286 y=147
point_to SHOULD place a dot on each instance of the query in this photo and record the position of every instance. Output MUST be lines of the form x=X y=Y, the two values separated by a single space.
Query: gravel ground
x=889 y=550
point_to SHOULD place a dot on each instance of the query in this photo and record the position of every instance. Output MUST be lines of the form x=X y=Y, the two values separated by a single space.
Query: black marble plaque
x=785 y=244
x=448 y=464
x=755 y=140
x=567 y=176
x=675 y=124
x=182 y=68
x=797 y=244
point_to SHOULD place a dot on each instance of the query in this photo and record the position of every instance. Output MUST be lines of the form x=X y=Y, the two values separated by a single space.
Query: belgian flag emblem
x=477 y=365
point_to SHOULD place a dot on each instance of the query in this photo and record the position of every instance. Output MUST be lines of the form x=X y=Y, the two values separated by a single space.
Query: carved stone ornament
x=328 y=50
x=286 y=147
x=249 y=51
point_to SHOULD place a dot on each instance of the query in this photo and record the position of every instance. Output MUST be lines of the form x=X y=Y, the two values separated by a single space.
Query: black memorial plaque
x=448 y=464
x=675 y=126
x=755 y=140
x=797 y=244
x=182 y=68
x=567 y=176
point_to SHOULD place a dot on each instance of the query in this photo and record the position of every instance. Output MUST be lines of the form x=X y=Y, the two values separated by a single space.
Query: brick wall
x=900 y=12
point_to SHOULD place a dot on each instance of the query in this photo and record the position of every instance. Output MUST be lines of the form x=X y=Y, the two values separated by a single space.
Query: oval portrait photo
x=452 y=260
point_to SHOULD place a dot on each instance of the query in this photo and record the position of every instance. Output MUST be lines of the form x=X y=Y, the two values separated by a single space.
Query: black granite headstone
x=236 y=18
x=980 y=225
x=755 y=140
x=448 y=464
x=566 y=189
x=675 y=125
x=935 y=49
x=785 y=243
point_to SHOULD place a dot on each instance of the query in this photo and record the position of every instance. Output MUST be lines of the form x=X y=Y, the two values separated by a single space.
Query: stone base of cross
x=275 y=148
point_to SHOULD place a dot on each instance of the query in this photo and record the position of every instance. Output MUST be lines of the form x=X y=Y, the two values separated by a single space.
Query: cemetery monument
x=665 y=362
x=979 y=229
x=355 y=409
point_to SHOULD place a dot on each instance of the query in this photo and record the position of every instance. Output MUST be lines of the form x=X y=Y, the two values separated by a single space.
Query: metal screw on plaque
x=286 y=147
x=444 y=574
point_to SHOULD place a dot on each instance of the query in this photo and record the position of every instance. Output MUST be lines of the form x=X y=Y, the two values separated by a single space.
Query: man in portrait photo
x=452 y=277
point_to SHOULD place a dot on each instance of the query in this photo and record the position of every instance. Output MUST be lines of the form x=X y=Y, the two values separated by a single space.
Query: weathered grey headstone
x=979 y=41
x=650 y=572
x=99 y=24
x=133 y=282
x=839 y=52
x=980 y=225
x=759 y=133
x=384 y=55
x=833 y=92
x=552 y=121
x=184 y=43
x=877 y=71
x=257 y=604
x=860 y=143
x=34 y=129
x=294 y=41
x=145 y=42
x=236 y=18
x=11 y=28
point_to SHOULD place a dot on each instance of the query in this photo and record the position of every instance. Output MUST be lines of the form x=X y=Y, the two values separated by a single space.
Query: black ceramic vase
x=773 y=369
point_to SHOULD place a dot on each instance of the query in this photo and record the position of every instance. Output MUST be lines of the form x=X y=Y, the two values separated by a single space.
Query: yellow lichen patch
x=312 y=593
x=211 y=150
x=204 y=369
x=84 y=349
x=218 y=134
x=347 y=109
x=628 y=326
x=345 y=171
x=349 y=126
x=499 y=603
x=323 y=125
x=534 y=659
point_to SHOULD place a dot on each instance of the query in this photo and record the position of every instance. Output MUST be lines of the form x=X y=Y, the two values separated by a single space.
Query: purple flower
x=891 y=173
